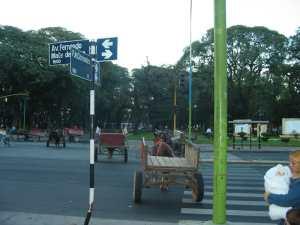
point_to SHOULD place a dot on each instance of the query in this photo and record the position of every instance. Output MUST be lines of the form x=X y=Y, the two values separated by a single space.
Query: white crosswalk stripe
x=229 y=202
x=231 y=194
x=244 y=202
x=229 y=212
x=260 y=188
x=240 y=177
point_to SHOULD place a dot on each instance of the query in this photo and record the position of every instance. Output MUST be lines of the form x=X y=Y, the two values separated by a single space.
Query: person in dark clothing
x=292 y=198
x=161 y=148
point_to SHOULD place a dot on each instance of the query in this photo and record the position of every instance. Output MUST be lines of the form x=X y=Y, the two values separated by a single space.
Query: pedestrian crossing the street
x=245 y=203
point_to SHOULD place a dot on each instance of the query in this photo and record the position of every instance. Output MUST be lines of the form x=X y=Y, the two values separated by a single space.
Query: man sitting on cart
x=161 y=148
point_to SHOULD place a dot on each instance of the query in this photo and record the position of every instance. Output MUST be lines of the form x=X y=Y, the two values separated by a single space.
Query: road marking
x=197 y=222
x=238 y=188
x=229 y=202
x=253 y=183
x=240 y=174
x=245 y=177
x=231 y=194
x=230 y=212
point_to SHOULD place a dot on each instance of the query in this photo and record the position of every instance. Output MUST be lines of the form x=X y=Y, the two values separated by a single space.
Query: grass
x=140 y=134
x=201 y=139
x=293 y=142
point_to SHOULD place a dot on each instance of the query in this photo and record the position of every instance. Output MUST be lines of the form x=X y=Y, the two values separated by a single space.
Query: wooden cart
x=112 y=144
x=164 y=171
x=57 y=138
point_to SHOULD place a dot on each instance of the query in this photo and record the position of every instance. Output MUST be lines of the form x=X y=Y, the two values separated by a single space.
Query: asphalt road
x=40 y=180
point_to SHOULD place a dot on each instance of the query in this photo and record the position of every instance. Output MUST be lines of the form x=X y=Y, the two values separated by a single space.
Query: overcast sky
x=158 y=29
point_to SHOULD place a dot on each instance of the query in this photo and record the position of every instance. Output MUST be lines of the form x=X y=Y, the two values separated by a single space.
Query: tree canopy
x=263 y=69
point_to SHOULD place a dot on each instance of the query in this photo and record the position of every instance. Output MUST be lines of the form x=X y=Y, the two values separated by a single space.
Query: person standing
x=292 y=198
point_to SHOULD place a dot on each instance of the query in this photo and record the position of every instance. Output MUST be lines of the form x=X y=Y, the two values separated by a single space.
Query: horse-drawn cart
x=112 y=144
x=164 y=171
x=57 y=138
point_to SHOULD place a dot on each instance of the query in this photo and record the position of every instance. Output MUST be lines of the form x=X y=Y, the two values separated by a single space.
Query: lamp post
x=190 y=76
x=25 y=99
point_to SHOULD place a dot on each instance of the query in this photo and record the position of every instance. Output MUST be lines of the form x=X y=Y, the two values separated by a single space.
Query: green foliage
x=265 y=136
x=55 y=97
x=285 y=139
x=263 y=74
x=263 y=70
x=153 y=95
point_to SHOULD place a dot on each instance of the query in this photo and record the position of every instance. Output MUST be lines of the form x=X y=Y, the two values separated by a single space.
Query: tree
x=256 y=66
x=153 y=95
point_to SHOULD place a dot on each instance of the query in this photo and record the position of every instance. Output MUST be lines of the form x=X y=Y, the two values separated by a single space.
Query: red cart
x=111 y=144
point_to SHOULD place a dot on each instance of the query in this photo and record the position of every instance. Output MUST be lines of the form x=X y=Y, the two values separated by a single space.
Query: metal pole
x=92 y=143
x=175 y=106
x=190 y=75
x=259 y=143
x=220 y=114
x=24 y=113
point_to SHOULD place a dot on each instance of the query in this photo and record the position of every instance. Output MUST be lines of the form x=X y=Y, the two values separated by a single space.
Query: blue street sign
x=107 y=49
x=60 y=52
x=81 y=65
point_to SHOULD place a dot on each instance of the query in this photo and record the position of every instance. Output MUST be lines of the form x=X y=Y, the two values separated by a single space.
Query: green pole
x=220 y=114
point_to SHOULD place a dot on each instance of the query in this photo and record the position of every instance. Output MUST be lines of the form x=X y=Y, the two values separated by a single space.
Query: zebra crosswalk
x=244 y=205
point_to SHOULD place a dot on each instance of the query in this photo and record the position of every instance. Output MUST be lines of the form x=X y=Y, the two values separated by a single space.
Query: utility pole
x=190 y=76
x=175 y=104
x=220 y=114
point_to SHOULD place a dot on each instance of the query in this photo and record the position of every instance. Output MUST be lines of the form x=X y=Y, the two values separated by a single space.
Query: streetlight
x=25 y=98
x=190 y=75
x=195 y=106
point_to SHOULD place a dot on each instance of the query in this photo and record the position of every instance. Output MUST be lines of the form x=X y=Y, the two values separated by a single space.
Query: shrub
x=285 y=139
x=265 y=136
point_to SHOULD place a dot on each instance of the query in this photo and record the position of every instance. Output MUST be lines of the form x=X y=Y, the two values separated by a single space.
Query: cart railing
x=192 y=156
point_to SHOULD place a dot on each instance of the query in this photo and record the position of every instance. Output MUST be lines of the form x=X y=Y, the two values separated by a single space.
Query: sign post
x=107 y=49
x=82 y=55
x=60 y=52
x=81 y=65
x=92 y=141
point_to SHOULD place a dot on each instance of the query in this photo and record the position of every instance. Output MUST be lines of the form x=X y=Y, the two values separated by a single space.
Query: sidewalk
x=20 y=218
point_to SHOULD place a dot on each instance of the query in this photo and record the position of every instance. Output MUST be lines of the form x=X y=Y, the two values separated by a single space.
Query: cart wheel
x=125 y=155
x=47 y=144
x=137 y=186
x=198 y=187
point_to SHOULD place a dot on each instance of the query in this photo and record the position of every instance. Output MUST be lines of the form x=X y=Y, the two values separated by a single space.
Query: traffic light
x=182 y=81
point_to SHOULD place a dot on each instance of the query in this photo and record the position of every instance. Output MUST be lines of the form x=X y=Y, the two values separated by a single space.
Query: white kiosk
x=290 y=127
x=243 y=130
